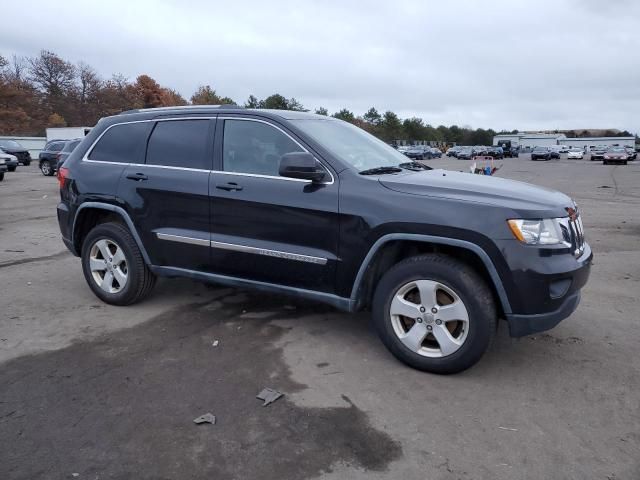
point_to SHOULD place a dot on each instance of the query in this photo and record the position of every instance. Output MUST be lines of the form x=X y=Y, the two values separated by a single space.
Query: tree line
x=48 y=91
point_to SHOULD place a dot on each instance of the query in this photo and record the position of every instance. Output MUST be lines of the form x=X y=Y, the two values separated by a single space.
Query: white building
x=530 y=140
x=590 y=142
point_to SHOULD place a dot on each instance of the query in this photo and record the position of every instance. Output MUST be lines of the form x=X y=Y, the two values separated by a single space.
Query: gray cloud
x=500 y=64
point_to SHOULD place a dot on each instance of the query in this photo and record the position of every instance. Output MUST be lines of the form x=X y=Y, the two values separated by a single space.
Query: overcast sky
x=538 y=64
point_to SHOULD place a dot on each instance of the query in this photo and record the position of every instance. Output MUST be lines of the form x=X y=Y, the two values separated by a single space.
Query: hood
x=519 y=196
x=14 y=150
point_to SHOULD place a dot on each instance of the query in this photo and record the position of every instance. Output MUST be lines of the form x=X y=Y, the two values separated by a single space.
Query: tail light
x=62 y=176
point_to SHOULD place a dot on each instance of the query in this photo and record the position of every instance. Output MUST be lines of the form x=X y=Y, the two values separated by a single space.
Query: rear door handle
x=138 y=177
x=229 y=187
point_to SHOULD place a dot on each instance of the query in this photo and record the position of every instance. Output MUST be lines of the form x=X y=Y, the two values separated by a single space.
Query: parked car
x=415 y=153
x=479 y=150
x=616 y=155
x=575 y=153
x=66 y=151
x=540 y=153
x=597 y=153
x=14 y=148
x=564 y=148
x=554 y=152
x=465 y=153
x=631 y=152
x=435 y=152
x=48 y=158
x=495 y=152
x=3 y=168
x=453 y=151
x=9 y=161
x=514 y=152
x=154 y=192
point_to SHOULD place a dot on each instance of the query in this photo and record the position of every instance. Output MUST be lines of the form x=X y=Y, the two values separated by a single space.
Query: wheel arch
x=391 y=248
x=90 y=214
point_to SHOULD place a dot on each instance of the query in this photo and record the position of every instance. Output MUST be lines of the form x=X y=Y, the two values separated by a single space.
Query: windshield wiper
x=415 y=166
x=380 y=170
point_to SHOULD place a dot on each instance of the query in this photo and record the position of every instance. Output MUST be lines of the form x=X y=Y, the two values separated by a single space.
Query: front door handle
x=229 y=187
x=138 y=177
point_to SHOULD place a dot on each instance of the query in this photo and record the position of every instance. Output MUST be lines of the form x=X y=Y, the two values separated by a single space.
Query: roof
x=286 y=114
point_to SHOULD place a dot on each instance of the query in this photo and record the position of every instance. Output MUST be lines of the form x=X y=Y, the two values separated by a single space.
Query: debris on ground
x=509 y=429
x=604 y=186
x=206 y=418
x=269 y=395
x=75 y=474
x=289 y=307
x=215 y=343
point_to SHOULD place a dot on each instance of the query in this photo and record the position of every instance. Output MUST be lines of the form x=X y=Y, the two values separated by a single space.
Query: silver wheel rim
x=45 y=168
x=429 y=318
x=108 y=266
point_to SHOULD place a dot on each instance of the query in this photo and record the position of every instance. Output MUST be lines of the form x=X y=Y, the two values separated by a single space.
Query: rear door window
x=180 y=143
x=56 y=147
x=122 y=143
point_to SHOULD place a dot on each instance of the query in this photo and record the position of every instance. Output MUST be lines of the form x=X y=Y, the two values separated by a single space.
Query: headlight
x=538 y=232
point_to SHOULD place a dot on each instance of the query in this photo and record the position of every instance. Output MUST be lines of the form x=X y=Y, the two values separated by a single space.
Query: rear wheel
x=26 y=163
x=1 y=176
x=434 y=313
x=113 y=265
x=12 y=169
x=46 y=168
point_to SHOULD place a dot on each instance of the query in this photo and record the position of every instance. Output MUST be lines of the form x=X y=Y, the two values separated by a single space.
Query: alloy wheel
x=429 y=318
x=108 y=266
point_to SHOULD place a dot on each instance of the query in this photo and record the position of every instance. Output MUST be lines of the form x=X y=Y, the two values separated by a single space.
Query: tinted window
x=179 y=143
x=56 y=147
x=254 y=147
x=122 y=143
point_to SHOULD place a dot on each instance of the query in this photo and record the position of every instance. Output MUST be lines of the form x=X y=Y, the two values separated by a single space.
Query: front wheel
x=11 y=169
x=1 y=176
x=46 y=168
x=26 y=163
x=113 y=265
x=434 y=313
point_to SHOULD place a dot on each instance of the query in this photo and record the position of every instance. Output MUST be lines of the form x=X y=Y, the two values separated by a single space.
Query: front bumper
x=546 y=290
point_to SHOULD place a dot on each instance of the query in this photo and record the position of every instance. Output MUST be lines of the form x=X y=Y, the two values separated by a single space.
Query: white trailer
x=67 y=133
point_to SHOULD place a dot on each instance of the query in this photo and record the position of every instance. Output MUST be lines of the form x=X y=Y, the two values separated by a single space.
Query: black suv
x=48 y=157
x=317 y=208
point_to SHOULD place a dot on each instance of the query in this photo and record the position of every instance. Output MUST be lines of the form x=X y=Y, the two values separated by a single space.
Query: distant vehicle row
x=467 y=153
x=420 y=152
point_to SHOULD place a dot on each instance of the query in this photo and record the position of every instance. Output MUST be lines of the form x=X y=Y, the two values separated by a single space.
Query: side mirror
x=301 y=165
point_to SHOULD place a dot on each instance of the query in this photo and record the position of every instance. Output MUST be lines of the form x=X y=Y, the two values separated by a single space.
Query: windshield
x=10 y=144
x=617 y=149
x=351 y=144
x=540 y=149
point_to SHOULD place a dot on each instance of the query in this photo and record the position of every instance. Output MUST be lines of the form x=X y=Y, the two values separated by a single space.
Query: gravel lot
x=108 y=392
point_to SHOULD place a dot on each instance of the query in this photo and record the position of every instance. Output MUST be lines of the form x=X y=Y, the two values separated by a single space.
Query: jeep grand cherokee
x=317 y=208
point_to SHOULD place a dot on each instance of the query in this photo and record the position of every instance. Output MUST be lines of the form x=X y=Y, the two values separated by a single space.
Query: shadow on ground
x=122 y=406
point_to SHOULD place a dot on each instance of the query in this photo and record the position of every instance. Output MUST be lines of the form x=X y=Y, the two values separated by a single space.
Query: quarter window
x=122 y=143
x=254 y=147
x=180 y=143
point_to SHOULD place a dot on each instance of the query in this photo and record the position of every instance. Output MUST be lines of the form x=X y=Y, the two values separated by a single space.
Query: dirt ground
x=92 y=391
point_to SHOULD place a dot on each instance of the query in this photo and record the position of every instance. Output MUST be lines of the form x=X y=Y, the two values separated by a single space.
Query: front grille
x=577 y=235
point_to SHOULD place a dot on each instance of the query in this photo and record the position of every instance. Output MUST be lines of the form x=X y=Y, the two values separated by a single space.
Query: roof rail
x=180 y=107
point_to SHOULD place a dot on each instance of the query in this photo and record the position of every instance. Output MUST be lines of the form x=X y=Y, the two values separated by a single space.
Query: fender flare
x=484 y=257
x=120 y=211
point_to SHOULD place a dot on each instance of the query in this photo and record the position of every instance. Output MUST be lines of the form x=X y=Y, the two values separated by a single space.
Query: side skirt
x=340 y=303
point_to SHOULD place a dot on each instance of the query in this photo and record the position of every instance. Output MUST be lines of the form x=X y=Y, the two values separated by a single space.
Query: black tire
x=26 y=163
x=140 y=279
x=12 y=169
x=470 y=288
x=1 y=176
x=46 y=168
